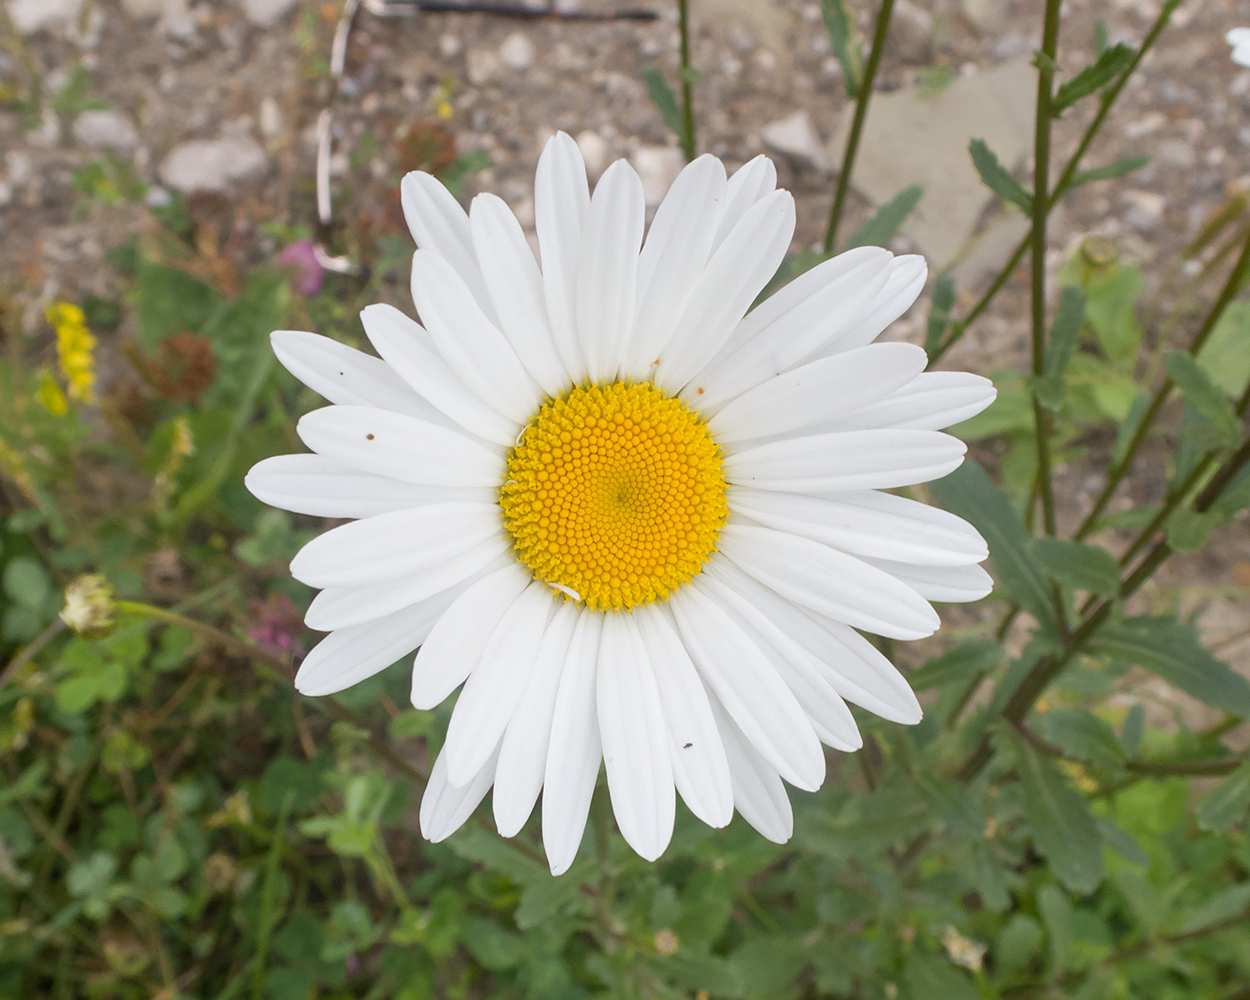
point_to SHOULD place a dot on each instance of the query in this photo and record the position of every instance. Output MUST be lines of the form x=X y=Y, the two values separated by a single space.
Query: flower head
x=1239 y=39
x=639 y=521
x=90 y=608
x=307 y=273
x=75 y=349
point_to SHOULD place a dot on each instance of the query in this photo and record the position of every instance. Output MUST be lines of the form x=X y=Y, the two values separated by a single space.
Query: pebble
x=911 y=32
x=1175 y=153
x=30 y=16
x=795 y=138
x=481 y=66
x=658 y=166
x=449 y=46
x=264 y=13
x=271 y=122
x=106 y=130
x=595 y=152
x=517 y=52
x=204 y=165
x=1147 y=209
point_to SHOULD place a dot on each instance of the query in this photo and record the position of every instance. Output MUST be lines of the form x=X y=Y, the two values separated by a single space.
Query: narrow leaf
x=939 y=312
x=1056 y=911
x=663 y=98
x=996 y=177
x=1173 y=651
x=1064 y=330
x=1100 y=37
x=1228 y=803
x=960 y=665
x=1109 y=64
x=1204 y=396
x=1136 y=413
x=876 y=232
x=1063 y=828
x=1120 y=168
x=969 y=493
x=1083 y=567
x=845 y=48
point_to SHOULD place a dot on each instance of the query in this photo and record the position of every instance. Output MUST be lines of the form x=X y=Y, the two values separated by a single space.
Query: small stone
x=795 y=138
x=481 y=66
x=30 y=16
x=145 y=8
x=911 y=32
x=1175 y=153
x=265 y=13
x=204 y=165
x=271 y=123
x=658 y=166
x=449 y=46
x=158 y=197
x=517 y=52
x=594 y=151
x=106 y=130
x=48 y=134
x=987 y=15
x=1146 y=211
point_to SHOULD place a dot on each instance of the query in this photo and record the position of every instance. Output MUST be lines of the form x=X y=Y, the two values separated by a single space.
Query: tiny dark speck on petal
x=369 y=437
x=687 y=746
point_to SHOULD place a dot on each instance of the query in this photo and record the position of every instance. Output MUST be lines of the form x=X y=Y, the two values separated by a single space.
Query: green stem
x=688 y=145
x=857 y=123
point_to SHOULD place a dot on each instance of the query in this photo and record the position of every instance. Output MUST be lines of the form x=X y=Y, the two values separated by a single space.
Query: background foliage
x=177 y=822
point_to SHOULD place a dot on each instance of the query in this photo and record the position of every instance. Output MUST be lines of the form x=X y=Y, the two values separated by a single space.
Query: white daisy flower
x=638 y=520
x=1239 y=39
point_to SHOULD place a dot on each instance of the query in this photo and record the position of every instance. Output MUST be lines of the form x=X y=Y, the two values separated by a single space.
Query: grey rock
x=517 y=52
x=795 y=138
x=271 y=120
x=911 y=32
x=211 y=165
x=30 y=16
x=265 y=13
x=106 y=130
x=988 y=16
x=658 y=166
x=481 y=66
x=1175 y=153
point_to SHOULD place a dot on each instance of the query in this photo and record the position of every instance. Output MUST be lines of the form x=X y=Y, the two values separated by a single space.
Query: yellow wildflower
x=75 y=347
x=50 y=395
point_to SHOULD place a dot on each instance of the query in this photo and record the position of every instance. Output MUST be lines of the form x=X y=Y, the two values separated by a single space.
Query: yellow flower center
x=614 y=495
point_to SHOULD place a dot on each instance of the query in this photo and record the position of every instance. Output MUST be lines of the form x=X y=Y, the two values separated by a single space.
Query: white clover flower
x=636 y=519
x=1239 y=39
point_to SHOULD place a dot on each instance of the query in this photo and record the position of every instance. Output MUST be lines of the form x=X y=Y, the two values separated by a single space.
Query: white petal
x=737 y=272
x=439 y=224
x=311 y=484
x=345 y=375
x=349 y=655
x=402 y=543
x=523 y=754
x=607 y=270
x=932 y=401
x=635 y=739
x=677 y=248
x=575 y=752
x=495 y=685
x=830 y=582
x=792 y=325
x=853 y=666
x=750 y=688
x=409 y=350
x=954 y=584
x=469 y=342
x=818 y=391
x=846 y=460
x=455 y=645
x=825 y=709
x=444 y=807
x=866 y=523
x=339 y=607
x=561 y=205
x=759 y=794
x=401 y=447
x=907 y=278
x=750 y=183
x=700 y=768
x=515 y=285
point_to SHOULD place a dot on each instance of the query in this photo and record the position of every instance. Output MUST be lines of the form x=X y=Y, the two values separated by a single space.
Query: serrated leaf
x=1120 y=168
x=997 y=178
x=1174 y=652
x=939 y=312
x=1109 y=64
x=959 y=665
x=1063 y=828
x=664 y=99
x=1083 y=736
x=1204 y=396
x=1069 y=317
x=842 y=41
x=1111 y=311
x=1083 y=567
x=1228 y=803
x=1189 y=531
x=969 y=493
x=876 y=232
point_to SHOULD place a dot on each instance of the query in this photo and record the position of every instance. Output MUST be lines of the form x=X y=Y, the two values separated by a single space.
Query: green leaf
x=841 y=30
x=876 y=232
x=664 y=99
x=1223 y=906
x=1082 y=735
x=1204 y=396
x=1019 y=943
x=1111 y=310
x=958 y=666
x=1128 y=427
x=1056 y=910
x=939 y=312
x=169 y=301
x=1069 y=317
x=1109 y=64
x=492 y=946
x=996 y=177
x=1122 y=843
x=472 y=162
x=1226 y=804
x=1225 y=357
x=1058 y=816
x=1120 y=168
x=928 y=977
x=1082 y=567
x=1174 y=652
x=1189 y=531
x=969 y=493
x=26 y=583
x=1100 y=37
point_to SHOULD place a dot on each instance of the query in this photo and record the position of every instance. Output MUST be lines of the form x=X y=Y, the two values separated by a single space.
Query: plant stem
x=879 y=36
x=688 y=145
x=1063 y=184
